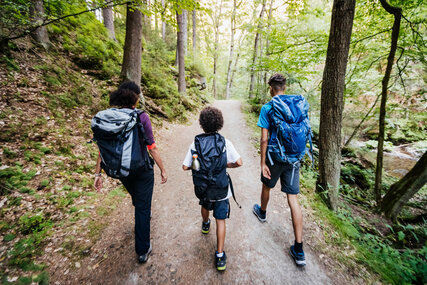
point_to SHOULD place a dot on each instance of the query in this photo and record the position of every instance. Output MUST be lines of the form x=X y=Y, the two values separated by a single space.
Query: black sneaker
x=220 y=262
x=257 y=212
x=143 y=258
x=205 y=227
x=298 y=257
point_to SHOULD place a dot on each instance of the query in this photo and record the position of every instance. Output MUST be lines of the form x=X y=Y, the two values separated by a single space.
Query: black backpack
x=211 y=181
x=121 y=141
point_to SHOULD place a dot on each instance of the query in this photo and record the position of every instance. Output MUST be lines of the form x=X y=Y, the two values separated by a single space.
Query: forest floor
x=257 y=253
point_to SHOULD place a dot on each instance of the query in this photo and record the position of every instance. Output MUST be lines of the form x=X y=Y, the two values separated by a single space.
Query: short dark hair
x=277 y=82
x=211 y=120
x=124 y=97
x=131 y=86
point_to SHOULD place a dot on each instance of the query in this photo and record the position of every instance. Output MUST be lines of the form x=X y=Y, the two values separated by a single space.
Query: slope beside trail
x=257 y=253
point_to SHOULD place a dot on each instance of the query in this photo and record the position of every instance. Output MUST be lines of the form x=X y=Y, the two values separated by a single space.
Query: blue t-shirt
x=264 y=118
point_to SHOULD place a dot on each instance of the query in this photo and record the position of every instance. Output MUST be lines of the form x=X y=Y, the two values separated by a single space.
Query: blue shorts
x=288 y=174
x=221 y=209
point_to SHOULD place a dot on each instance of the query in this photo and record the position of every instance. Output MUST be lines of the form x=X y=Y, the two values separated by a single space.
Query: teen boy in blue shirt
x=270 y=174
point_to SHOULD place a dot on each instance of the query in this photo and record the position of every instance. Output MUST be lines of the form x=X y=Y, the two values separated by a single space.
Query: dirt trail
x=257 y=253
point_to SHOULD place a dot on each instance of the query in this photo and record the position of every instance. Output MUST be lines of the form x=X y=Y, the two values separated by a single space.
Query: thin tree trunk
x=146 y=30
x=230 y=59
x=163 y=22
x=397 y=12
x=254 y=57
x=267 y=45
x=356 y=129
x=185 y=30
x=332 y=100
x=404 y=189
x=132 y=51
x=236 y=62
x=180 y=52
x=194 y=33
x=40 y=35
x=107 y=14
x=216 y=49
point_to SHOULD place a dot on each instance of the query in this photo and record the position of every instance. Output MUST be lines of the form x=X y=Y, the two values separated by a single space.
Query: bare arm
x=98 y=178
x=264 y=142
x=156 y=156
x=184 y=167
x=238 y=163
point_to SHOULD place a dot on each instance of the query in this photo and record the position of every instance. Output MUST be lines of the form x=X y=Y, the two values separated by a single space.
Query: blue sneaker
x=220 y=262
x=298 y=257
x=205 y=227
x=257 y=212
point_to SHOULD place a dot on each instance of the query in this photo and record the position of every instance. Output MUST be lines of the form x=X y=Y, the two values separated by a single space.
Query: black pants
x=140 y=187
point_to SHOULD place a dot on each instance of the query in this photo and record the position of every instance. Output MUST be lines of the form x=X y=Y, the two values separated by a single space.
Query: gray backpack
x=121 y=141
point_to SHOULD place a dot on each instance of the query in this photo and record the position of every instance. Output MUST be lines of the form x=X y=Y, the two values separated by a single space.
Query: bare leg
x=220 y=234
x=205 y=215
x=265 y=196
x=296 y=216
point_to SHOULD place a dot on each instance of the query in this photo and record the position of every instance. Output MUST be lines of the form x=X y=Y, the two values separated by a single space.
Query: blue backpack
x=121 y=141
x=290 y=129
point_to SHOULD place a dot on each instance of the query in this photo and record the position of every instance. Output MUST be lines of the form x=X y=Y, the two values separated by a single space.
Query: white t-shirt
x=232 y=157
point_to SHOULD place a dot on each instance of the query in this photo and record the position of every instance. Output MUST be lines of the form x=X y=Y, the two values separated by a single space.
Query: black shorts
x=288 y=174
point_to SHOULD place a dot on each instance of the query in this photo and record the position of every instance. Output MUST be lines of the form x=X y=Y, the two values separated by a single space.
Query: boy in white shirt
x=214 y=154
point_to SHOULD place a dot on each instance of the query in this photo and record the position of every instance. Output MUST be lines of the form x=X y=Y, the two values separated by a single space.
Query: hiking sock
x=219 y=254
x=298 y=246
x=262 y=212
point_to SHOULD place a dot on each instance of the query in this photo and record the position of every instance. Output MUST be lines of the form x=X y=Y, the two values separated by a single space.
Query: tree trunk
x=180 y=52
x=217 y=19
x=132 y=51
x=236 y=62
x=185 y=30
x=267 y=45
x=107 y=14
x=332 y=100
x=146 y=29
x=163 y=22
x=194 y=33
x=254 y=57
x=230 y=59
x=404 y=189
x=397 y=12
x=40 y=35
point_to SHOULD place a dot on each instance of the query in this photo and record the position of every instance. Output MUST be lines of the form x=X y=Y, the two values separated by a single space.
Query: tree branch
x=368 y=37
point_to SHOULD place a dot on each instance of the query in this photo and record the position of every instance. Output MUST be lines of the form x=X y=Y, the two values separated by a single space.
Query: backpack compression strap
x=232 y=190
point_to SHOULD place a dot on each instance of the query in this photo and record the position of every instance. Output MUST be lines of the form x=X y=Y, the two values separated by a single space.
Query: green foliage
x=14 y=178
x=388 y=255
x=87 y=39
x=34 y=223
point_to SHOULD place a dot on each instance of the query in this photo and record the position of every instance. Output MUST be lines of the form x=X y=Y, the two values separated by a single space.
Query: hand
x=265 y=171
x=164 y=177
x=98 y=183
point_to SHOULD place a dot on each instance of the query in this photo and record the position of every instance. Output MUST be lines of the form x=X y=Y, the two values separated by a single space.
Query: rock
x=77 y=264
x=2 y=202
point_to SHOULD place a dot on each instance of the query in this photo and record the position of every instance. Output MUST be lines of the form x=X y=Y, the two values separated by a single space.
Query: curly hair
x=126 y=96
x=277 y=82
x=211 y=120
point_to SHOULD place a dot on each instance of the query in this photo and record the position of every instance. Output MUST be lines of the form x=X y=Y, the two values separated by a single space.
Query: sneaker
x=220 y=262
x=298 y=257
x=143 y=258
x=257 y=212
x=205 y=227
